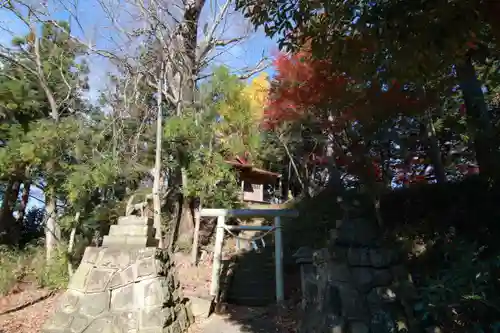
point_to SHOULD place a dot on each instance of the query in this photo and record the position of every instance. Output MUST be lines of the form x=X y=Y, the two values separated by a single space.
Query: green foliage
x=53 y=274
x=76 y=158
x=191 y=138
x=461 y=289
x=212 y=180
x=13 y=268
x=237 y=129
x=29 y=265
x=21 y=98
x=203 y=142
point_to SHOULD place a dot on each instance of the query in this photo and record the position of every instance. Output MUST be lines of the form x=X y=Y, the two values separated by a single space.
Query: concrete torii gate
x=221 y=215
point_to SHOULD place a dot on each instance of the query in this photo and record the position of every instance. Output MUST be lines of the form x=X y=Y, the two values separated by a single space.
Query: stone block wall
x=122 y=289
x=357 y=285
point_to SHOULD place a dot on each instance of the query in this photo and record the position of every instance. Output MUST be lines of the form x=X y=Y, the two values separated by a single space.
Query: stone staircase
x=253 y=282
x=132 y=231
x=127 y=285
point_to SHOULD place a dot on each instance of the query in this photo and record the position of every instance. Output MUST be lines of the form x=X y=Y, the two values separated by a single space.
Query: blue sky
x=89 y=22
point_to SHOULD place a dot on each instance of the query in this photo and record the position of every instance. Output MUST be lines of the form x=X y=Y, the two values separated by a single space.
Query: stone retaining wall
x=129 y=290
x=356 y=285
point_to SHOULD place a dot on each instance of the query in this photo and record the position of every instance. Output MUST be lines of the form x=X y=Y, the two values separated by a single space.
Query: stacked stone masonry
x=131 y=231
x=119 y=289
x=354 y=286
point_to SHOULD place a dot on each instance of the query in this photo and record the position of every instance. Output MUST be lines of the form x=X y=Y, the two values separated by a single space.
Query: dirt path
x=246 y=320
x=195 y=281
x=29 y=319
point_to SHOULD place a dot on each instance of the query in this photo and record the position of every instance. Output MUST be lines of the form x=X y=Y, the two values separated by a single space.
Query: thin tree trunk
x=24 y=201
x=196 y=235
x=71 y=244
x=157 y=170
x=434 y=151
x=52 y=230
x=335 y=177
x=292 y=162
x=478 y=120
x=54 y=112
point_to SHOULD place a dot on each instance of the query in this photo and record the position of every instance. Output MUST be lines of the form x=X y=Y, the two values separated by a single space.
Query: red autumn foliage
x=462 y=110
x=377 y=170
x=308 y=88
x=301 y=85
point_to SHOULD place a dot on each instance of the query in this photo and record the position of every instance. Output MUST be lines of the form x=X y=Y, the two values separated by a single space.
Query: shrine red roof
x=250 y=170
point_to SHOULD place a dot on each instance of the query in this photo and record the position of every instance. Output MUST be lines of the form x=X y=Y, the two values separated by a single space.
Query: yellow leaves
x=256 y=93
x=240 y=107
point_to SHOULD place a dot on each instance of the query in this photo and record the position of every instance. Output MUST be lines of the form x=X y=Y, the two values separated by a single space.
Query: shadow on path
x=251 y=295
x=242 y=319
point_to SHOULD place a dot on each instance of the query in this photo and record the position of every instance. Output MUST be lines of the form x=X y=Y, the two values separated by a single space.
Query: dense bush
x=456 y=227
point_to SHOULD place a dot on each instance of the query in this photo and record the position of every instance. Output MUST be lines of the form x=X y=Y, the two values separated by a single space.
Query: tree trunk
x=335 y=177
x=186 y=223
x=434 y=151
x=189 y=36
x=54 y=112
x=8 y=226
x=196 y=234
x=70 y=250
x=24 y=201
x=71 y=244
x=186 y=219
x=52 y=229
x=157 y=170
x=478 y=120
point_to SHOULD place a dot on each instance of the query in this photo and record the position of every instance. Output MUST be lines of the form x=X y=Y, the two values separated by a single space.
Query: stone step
x=131 y=230
x=256 y=270
x=256 y=293
x=264 y=279
x=139 y=241
x=251 y=301
x=253 y=281
x=200 y=307
x=256 y=289
x=134 y=220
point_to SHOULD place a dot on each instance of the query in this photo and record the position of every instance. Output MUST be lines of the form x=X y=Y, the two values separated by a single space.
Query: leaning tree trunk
x=478 y=120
